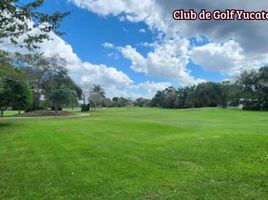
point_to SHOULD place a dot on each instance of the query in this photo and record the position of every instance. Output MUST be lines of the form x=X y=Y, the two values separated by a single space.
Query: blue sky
x=87 y=31
x=146 y=49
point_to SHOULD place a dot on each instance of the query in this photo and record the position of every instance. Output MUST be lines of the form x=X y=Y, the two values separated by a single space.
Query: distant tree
x=170 y=96
x=254 y=87
x=158 y=99
x=190 y=99
x=107 y=102
x=115 y=101
x=95 y=100
x=247 y=82
x=207 y=94
x=230 y=94
x=96 y=97
x=73 y=102
x=59 y=96
x=249 y=88
x=142 y=102
x=121 y=101
x=98 y=89
x=181 y=98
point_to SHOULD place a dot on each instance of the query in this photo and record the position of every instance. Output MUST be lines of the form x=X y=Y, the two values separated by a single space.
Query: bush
x=251 y=106
x=85 y=108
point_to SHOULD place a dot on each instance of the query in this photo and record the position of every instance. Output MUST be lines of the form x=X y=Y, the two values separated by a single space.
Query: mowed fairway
x=136 y=154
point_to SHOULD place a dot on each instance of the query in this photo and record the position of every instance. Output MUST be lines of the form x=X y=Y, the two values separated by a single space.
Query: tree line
x=249 y=89
x=32 y=82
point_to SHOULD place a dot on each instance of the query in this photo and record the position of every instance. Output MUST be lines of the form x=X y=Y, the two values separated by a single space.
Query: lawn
x=10 y=113
x=136 y=154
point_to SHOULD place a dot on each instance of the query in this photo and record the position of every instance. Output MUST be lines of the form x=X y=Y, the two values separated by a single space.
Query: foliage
x=58 y=96
x=85 y=107
x=97 y=98
x=19 y=93
x=56 y=85
x=121 y=102
x=142 y=102
x=14 y=92
x=250 y=89
x=18 y=20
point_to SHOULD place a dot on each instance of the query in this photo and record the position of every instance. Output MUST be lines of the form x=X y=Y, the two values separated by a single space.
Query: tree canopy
x=249 y=89
x=24 y=25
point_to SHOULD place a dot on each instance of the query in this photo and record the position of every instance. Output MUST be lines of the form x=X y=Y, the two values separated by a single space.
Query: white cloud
x=152 y=87
x=168 y=60
x=228 y=58
x=146 y=89
x=142 y=30
x=249 y=37
x=108 y=45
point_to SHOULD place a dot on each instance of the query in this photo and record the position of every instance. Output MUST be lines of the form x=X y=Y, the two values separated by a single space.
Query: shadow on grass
x=4 y=124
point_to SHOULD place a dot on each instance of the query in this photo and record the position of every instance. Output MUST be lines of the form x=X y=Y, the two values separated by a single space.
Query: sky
x=133 y=48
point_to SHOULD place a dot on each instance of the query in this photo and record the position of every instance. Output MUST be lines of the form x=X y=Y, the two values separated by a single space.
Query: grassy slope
x=137 y=154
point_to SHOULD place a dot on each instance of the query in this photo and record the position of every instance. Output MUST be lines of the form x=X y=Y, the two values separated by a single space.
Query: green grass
x=10 y=113
x=137 y=154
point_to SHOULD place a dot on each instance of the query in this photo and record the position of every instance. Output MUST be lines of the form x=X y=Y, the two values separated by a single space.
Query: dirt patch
x=45 y=113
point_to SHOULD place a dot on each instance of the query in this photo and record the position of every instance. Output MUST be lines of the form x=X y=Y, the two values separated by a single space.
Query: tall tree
x=14 y=91
x=98 y=89
x=18 y=93
x=263 y=88
x=56 y=84
x=58 y=96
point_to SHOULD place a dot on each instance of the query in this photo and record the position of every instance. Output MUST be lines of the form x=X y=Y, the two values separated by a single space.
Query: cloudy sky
x=134 y=48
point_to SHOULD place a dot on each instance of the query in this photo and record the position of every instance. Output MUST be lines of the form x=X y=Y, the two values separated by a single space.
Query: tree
x=107 y=102
x=142 y=102
x=121 y=101
x=263 y=88
x=95 y=100
x=98 y=89
x=34 y=68
x=96 y=96
x=183 y=94
x=190 y=99
x=170 y=96
x=21 y=95
x=207 y=94
x=73 y=100
x=158 y=99
x=25 y=26
x=230 y=94
x=18 y=20
x=59 y=96
x=56 y=84
x=249 y=88
x=14 y=92
x=247 y=82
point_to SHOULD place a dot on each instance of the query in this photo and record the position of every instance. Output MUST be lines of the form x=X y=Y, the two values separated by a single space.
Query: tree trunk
x=2 y=113
x=56 y=109
x=19 y=111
